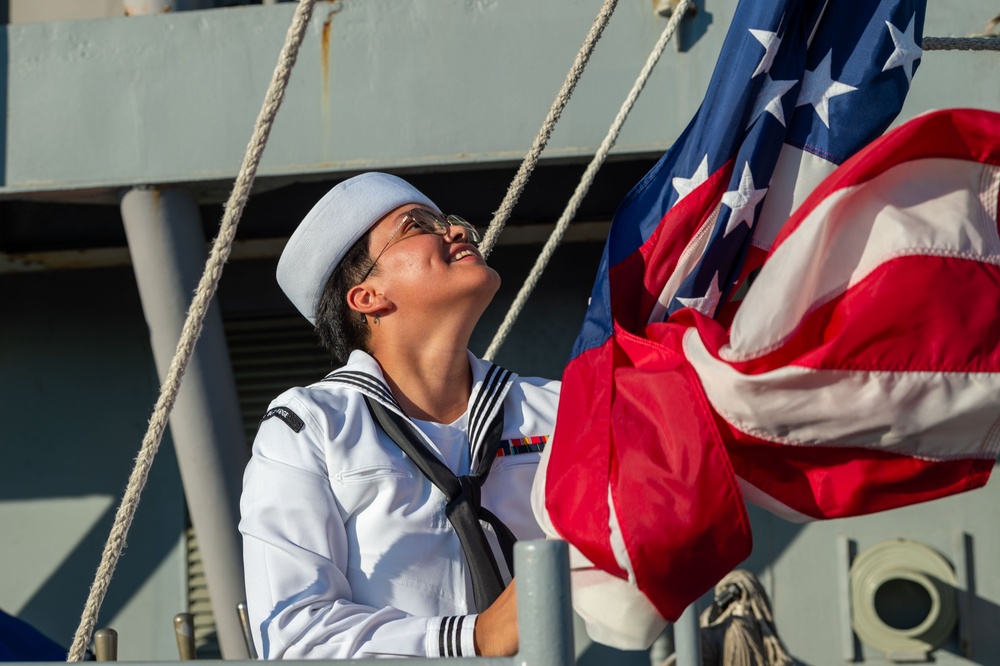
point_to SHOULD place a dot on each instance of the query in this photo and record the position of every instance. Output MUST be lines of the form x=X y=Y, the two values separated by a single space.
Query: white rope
x=531 y=159
x=961 y=43
x=586 y=181
x=192 y=328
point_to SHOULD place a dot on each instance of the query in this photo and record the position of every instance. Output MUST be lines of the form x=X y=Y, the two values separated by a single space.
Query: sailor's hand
x=495 y=634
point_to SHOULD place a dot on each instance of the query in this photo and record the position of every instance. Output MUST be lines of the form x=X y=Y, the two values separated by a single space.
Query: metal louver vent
x=206 y=641
x=268 y=355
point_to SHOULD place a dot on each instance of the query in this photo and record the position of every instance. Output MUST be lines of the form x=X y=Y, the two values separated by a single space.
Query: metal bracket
x=666 y=8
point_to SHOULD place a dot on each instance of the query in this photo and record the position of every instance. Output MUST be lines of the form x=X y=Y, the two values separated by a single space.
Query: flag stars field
x=769 y=99
x=771 y=43
x=707 y=303
x=743 y=201
x=819 y=87
x=906 y=51
x=685 y=186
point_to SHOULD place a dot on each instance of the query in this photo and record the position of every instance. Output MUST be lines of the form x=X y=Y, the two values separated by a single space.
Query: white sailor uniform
x=347 y=548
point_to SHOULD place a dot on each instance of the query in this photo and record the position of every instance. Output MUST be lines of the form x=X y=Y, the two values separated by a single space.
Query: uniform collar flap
x=490 y=384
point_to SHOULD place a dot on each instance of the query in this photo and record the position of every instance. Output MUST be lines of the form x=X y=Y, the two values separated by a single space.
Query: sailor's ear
x=364 y=299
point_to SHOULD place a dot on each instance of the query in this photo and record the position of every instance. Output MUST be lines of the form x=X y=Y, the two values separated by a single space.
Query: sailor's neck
x=430 y=384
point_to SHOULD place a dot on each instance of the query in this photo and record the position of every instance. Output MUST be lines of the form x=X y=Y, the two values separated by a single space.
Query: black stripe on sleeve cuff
x=450 y=637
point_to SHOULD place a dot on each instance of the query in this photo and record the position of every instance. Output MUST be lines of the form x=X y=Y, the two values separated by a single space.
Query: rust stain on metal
x=335 y=7
x=325 y=52
x=144 y=11
x=64 y=260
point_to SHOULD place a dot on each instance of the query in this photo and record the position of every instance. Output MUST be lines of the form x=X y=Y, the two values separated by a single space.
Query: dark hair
x=341 y=330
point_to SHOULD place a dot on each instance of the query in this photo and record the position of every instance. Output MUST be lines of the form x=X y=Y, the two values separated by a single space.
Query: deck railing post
x=544 y=611
x=687 y=637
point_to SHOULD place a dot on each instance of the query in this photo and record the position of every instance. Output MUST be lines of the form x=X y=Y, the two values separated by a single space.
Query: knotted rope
x=738 y=629
x=192 y=327
x=586 y=181
x=531 y=159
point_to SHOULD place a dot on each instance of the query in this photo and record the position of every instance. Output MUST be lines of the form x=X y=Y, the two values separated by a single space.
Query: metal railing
x=544 y=618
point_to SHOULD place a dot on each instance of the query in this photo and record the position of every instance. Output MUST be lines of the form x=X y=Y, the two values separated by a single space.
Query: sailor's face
x=423 y=259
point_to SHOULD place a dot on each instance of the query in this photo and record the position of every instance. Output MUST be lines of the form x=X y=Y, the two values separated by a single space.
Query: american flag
x=860 y=372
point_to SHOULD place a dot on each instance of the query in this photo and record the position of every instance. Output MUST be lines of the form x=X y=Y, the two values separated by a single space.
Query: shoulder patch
x=290 y=418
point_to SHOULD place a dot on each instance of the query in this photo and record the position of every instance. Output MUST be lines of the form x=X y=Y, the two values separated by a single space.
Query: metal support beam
x=167 y=245
x=268 y=248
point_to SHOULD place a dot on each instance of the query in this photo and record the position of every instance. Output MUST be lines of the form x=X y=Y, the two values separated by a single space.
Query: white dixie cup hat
x=333 y=225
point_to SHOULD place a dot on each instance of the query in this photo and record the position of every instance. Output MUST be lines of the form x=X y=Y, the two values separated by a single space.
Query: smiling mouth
x=463 y=254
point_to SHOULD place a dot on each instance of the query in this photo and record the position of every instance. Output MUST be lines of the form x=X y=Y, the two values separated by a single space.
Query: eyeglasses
x=422 y=221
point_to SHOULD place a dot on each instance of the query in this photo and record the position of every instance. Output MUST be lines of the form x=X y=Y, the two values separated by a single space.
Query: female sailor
x=381 y=503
